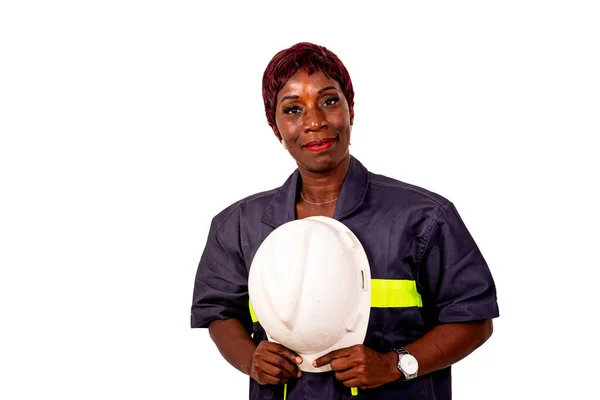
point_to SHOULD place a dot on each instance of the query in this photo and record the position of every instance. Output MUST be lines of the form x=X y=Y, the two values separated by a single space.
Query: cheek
x=341 y=122
x=289 y=129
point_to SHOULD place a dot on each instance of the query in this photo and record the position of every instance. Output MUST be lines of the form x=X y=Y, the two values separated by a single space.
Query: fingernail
x=299 y=374
x=298 y=359
x=314 y=363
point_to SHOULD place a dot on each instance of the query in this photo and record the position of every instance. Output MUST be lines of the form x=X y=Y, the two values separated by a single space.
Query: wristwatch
x=407 y=363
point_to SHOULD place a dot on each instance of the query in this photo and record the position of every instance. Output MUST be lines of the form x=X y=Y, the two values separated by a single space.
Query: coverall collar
x=282 y=207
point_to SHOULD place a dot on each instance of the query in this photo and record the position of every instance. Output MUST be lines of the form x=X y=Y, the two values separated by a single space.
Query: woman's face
x=314 y=121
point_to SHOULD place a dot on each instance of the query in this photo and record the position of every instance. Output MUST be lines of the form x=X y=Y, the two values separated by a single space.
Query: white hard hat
x=310 y=288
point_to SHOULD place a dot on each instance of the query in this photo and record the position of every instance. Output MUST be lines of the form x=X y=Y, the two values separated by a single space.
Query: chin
x=322 y=163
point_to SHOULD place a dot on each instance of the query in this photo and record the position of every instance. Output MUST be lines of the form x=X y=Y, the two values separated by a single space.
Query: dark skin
x=313 y=109
x=268 y=363
x=444 y=345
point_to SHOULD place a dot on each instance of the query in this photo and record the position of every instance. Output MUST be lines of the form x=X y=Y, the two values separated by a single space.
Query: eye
x=293 y=110
x=331 y=101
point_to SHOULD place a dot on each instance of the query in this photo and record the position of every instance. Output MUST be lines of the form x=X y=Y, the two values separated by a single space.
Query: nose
x=314 y=120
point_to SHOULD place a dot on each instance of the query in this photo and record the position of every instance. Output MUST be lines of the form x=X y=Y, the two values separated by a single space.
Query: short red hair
x=309 y=57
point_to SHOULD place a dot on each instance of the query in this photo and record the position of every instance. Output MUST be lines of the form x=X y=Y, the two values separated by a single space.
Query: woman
x=415 y=241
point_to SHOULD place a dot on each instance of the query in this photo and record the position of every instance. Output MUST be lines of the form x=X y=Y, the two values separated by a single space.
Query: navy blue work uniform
x=427 y=266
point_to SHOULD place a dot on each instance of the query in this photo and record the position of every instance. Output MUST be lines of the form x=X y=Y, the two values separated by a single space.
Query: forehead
x=302 y=83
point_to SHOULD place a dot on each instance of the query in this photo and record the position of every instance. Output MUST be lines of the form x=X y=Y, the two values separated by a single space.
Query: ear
x=276 y=132
x=351 y=110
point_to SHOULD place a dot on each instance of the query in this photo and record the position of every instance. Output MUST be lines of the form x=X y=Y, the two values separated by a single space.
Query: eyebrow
x=295 y=97
x=327 y=88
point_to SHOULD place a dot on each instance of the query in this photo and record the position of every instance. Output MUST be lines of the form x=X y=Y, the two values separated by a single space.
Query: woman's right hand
x=274 y=364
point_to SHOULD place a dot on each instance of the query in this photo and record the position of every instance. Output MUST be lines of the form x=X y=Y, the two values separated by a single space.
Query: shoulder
x=252 y=206
x=415 y=209
x=393 y=191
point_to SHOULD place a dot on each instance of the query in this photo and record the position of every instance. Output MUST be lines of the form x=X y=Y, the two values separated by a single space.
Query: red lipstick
x=319 y=145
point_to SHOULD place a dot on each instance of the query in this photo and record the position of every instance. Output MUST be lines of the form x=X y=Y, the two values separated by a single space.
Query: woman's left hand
x=362 y=367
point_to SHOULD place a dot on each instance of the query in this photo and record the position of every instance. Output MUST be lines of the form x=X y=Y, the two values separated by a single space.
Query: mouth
x=320 y=145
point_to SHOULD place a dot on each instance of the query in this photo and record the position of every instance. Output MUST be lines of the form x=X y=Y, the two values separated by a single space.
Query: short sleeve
x=221 y=285
x=457 y=282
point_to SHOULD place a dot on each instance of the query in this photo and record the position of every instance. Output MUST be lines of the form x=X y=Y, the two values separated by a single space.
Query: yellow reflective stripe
x=284 y=391
x=354 y=391
x=252 y=315
x=385 y=293
x=389 y=293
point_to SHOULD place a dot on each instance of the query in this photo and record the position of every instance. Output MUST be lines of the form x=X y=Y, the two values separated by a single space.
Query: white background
x=127 y=125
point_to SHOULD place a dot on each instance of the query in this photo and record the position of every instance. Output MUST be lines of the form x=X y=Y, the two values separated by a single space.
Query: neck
x=324 y=186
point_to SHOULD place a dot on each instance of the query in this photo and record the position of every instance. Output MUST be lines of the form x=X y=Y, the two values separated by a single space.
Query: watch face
x=409 y=364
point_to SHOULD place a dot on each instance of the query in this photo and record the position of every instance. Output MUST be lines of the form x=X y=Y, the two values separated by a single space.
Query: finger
x=345 y=375
x=332 y=355
x=285 y=352
x=271 y=380
x=279 y=361
x=342 y=364
x=275 y=371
